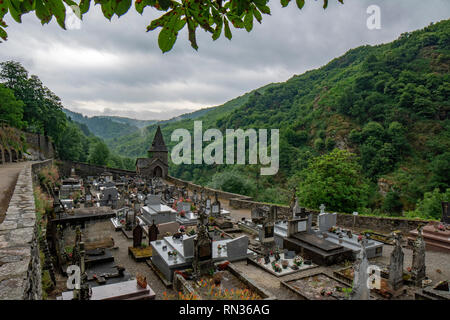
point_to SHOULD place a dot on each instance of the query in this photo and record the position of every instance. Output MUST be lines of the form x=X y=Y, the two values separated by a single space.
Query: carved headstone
x=446 y=212
x=360 y=290
x=153 y=232
x=396 y=265
x=137 y=236
x=418 y=262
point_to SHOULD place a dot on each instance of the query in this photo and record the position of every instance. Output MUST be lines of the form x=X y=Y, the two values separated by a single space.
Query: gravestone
x=445 y=212
x=188 y=246
x=215 y=207
x=137 y=236
x=237 y=247
x=326 y=221
x=289 y=255
x=396 y=265
x=153 y=199
x=360 y=290
x=184 y=206
x=418 y=262
x=153 y=232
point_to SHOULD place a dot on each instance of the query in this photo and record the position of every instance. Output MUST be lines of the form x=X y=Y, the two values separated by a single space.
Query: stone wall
x=84 y=170
x=381 y=224
x=40 y=147
x=20 y=267
x=210 y=191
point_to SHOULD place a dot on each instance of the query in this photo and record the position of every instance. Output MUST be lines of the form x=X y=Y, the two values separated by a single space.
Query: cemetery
x=145 y=236
x=178 y=236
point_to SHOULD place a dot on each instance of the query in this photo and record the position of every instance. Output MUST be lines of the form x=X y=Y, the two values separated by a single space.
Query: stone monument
x=418 y=261
x=396 y=266
x=360 y=290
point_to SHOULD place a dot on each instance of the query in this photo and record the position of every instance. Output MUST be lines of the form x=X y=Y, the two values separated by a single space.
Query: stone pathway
x=8 y=178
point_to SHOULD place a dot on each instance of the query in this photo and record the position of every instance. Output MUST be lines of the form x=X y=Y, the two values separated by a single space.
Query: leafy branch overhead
x=213 y=16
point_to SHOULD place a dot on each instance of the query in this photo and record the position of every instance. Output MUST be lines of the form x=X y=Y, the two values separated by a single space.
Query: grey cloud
x=116 y=67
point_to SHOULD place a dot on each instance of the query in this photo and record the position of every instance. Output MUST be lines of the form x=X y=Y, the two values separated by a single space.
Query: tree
x=213 y=16
x=335 y=180
x=11 y=110
x=430 y=206
x=99 y=154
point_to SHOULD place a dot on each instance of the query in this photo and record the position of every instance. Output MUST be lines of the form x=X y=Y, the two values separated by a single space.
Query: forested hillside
x=107 y=127
x=387 y=106
x=26 y=104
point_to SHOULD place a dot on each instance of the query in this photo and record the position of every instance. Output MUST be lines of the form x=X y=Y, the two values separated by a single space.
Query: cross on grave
x=322 y=208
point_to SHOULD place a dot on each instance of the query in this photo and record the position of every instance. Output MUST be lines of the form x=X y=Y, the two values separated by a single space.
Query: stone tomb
x=127 y=290
x=155 y=211
x=167 y=263
x=189 y=218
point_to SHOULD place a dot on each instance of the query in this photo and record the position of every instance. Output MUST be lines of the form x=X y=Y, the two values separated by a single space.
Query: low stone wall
x=84 y=169
x=381 y=224
x=20 y=267
x=221 y=194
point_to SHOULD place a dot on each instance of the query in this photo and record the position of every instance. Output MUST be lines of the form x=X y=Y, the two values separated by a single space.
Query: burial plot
x=154 y=210
x=288 y=263
x=319 y=286
x=127 y=290
x=226 y=283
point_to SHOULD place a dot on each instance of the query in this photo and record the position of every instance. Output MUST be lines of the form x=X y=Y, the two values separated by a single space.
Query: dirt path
x=8 y=178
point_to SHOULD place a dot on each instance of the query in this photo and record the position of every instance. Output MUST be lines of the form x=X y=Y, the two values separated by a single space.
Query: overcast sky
x=116 y=68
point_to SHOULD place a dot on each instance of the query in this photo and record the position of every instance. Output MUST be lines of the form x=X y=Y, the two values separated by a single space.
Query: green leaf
x=284 y=3
x=192 y=36
x=107 y=9
x=166 y=39
x=165 y=4
x=84 y=6
x=228 y=34
x=27 y=5
x=71 y=3
x=263 y=8
x=300 y=3
x=14 y=10
x=4 y=5
x=248 y=21
x=257 y=14
x=325 y=4
x=3 y=34
x=42 y=12
x=218 y=31
x=58 y=9
x=122 y=7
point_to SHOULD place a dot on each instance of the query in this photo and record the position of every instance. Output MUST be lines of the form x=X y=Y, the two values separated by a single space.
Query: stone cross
x=418 y=262
x=322 y=208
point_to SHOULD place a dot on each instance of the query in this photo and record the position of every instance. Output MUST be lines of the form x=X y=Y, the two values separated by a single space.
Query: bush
x=430 y=206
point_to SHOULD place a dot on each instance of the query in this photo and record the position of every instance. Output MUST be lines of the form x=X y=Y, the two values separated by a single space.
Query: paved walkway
x=8 y=178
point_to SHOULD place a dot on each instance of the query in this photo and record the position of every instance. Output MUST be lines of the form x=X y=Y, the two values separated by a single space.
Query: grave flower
x=298 y=261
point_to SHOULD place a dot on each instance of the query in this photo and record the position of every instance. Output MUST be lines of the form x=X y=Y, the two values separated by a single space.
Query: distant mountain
x=137 y=143
x=107 y=127
x=388 y=103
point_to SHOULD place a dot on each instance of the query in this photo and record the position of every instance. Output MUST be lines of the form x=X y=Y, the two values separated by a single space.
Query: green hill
x=107 y=127
x=388 y=103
